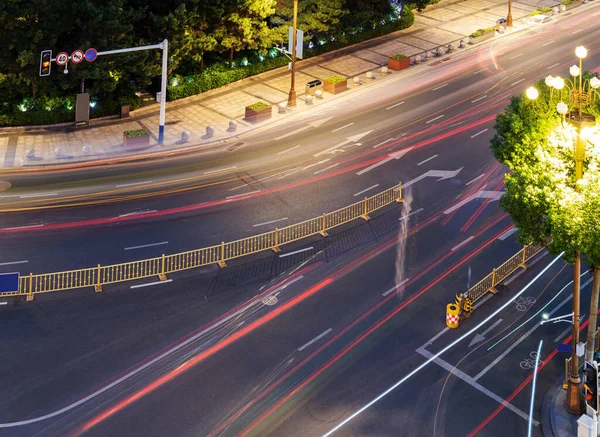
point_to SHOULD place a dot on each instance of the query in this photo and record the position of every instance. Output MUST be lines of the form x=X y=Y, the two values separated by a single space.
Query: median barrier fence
x=219 y=254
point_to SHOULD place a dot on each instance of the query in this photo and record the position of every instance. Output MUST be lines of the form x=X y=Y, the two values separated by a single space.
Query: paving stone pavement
x=446 y=22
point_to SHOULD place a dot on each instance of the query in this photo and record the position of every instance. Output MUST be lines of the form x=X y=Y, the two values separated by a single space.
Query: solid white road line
x=219 y=170
x=440 y=87
x=476 y=179
x=283 y=255
x=383 y=142
x=366 y=189
x=269 y=222
x=459 y=245
x=340 y=128
x=151 y=283
x=479 y=71
x=565 y=332
x=137 y=213
x=27 y=196
x=316 y=163
x=317 y=338
x=519 y=81
x=553 y=65
x=27 y=227
x=3 y=303
x=507 y=234
x=395 y=287
x=516 y=56
x=147 y=245
x=548 y=43
x=577 y=31
x=434 y=119
x=13 y=262
x=393 y=106
x=428 y=159
x=482 y=301
x=414 y=212
x=288 y=150
x=243 y=194
x=478 y=99
x=479 y=133
x=326 y=168
x=133 y=184
x=466 y=378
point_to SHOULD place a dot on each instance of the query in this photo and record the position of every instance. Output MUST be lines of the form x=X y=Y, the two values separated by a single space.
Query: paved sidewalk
x=447 y=22
x=556 y=419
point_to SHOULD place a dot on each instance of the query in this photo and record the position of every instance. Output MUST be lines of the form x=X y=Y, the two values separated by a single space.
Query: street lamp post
x=509 y=15
x=292 y=95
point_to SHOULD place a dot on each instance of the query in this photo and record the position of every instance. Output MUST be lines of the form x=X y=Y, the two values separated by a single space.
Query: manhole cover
x=269 y=300
x=5 y=185
x=325 y=410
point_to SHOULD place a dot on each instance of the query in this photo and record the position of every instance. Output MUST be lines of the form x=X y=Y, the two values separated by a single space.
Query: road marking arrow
x=480 y=337
x=441 y=174
x=352 y=139
x=492 y=195
x=315 y=123
x=396 y=155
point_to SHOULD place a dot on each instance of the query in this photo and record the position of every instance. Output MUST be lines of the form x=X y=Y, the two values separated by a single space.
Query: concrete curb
x=548 y=408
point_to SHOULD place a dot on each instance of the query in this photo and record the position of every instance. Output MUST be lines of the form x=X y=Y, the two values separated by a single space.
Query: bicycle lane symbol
x=524 y=303
x=529 y=363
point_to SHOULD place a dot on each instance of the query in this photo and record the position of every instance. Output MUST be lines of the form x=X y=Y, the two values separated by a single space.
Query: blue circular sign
x=91 y=55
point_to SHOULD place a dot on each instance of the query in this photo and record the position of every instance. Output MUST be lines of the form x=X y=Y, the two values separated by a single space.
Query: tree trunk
x=231 y=57
x=33 y=89
x=591 y=332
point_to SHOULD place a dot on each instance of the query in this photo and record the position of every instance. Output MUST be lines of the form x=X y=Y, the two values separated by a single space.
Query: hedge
x=398 y=57
x=480 y=32
x=136 y=133
x=258 y=106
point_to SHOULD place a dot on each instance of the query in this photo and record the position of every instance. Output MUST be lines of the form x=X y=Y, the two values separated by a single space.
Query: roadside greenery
x=136 y=133
x=398 y=57
x=541 y=11
x=258 y=106
x=335 y=79
x=480 y=32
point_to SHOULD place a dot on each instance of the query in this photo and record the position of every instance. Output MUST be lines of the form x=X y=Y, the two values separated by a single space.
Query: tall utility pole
x=509 y=16
x=292 y=96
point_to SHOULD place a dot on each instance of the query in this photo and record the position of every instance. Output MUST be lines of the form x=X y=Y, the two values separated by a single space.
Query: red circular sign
x=62 y=58
x=77 y=56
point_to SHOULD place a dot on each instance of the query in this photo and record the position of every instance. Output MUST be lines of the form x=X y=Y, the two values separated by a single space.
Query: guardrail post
x=98 y=286
x=29 y=297
x=493 y=288
x=276 y=248
x=399 y=199
x=523 y=259
x=323 y=230
x=162 y=275
x=365 y=214
x=222 y=262
x=567 y=367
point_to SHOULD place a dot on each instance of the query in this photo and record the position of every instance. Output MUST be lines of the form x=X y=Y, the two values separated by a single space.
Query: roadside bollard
x=428 y=55
x=282 y=107
x=440 y=51
x=86 y=149
x=185 y=136
x=450 y=48
x=319 y=94
x=418 y=59
x=210 y=131
x=232 y=126
x=369 y=75
x=462 y=44
x=501 y=29
x=59 y=152
x=30 y=153
x=356 y=80
x=309 y=99
x=384 y=71
x=452 y=318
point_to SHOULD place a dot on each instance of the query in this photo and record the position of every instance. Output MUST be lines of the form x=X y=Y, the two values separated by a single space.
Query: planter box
x=137 y=142
x=335 y=88
x=570 y=6
x=256 y=116
x=394 y=64
x=485 y=36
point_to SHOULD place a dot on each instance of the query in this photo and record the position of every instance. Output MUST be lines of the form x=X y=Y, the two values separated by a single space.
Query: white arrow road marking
x=480 y=337
x=352 y=139
x=396 y=155
x=492 y=195
x=315 y=123
x=441 y=174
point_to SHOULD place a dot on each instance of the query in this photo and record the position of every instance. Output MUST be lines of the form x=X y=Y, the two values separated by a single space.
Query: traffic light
x=45 y=63
x=591 y=386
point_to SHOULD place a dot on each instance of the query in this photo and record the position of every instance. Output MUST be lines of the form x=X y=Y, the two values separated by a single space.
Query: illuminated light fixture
x=562 y=108
x=595 y=82
x=574 y=70
x=558 y=83
x=581 y=52
x=549 y=80
x=532 y=93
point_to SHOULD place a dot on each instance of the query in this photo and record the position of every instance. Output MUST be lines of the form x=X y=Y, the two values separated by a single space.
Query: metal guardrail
x=161 y=266
x=499 y=274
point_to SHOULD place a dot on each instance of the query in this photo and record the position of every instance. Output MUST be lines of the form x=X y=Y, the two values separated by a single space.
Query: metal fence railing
x=161 y=266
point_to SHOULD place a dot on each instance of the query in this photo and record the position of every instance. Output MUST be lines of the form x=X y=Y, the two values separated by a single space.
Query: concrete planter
x=394 y=64
x=335 y=88
x=570 y=6
x=136 y=142
x=481 y=38
x=256 y=116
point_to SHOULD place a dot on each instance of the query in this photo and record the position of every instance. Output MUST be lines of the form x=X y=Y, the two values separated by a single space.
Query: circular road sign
x=62 y=58
x=91 y=55
x=77 y=56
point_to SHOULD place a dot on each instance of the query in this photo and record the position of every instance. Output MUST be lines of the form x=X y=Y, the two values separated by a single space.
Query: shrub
x=136 y=133
x=258 y=106
x=542 y=10
x=480 y=32
x=335 y=79
x=398 y=57
x=567 y=2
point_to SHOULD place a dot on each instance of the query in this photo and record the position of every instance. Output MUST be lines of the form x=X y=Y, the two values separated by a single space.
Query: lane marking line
x=459 y=245
x=297 y=251
x=366 y=189
x=151 y=283
x=27 y=227
x=133 y=184
x=475 y=180
x=548 y=43
x=428 y=159
x=243 y=194
x=478 y=99
x=383 y=142
x=440 y=87
x=147 y=245
x=284 y=286
x=317 y=338
x=269 y=222
x=395 y=287
x=288 y=150
x=340 y=128
x=507 y=234
x=393 y=106
x=219 y=170
x=479 y=71
x=519 y=81
x=13 y=262
x=326 y=168
x=3 y=303
x=371 y=167
x=27 y=196
x=565 y=332
x=414 y=212
x=479 y=133
x=434 y=119
x=552 y=66
x=520 y=54
x=137 y=213
x=577 y=31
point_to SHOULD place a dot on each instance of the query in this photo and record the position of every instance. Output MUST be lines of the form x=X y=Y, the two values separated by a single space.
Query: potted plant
x=569 y=4
x=398 y=62
x=136 y=138
x=258 y=111
x=335 y=84
x=481 y=35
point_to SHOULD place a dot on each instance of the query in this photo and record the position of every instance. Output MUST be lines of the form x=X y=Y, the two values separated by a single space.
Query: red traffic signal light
x=45 y=63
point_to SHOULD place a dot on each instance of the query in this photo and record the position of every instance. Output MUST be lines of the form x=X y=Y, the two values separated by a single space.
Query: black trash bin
x=500 y=22
x=313 y=86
